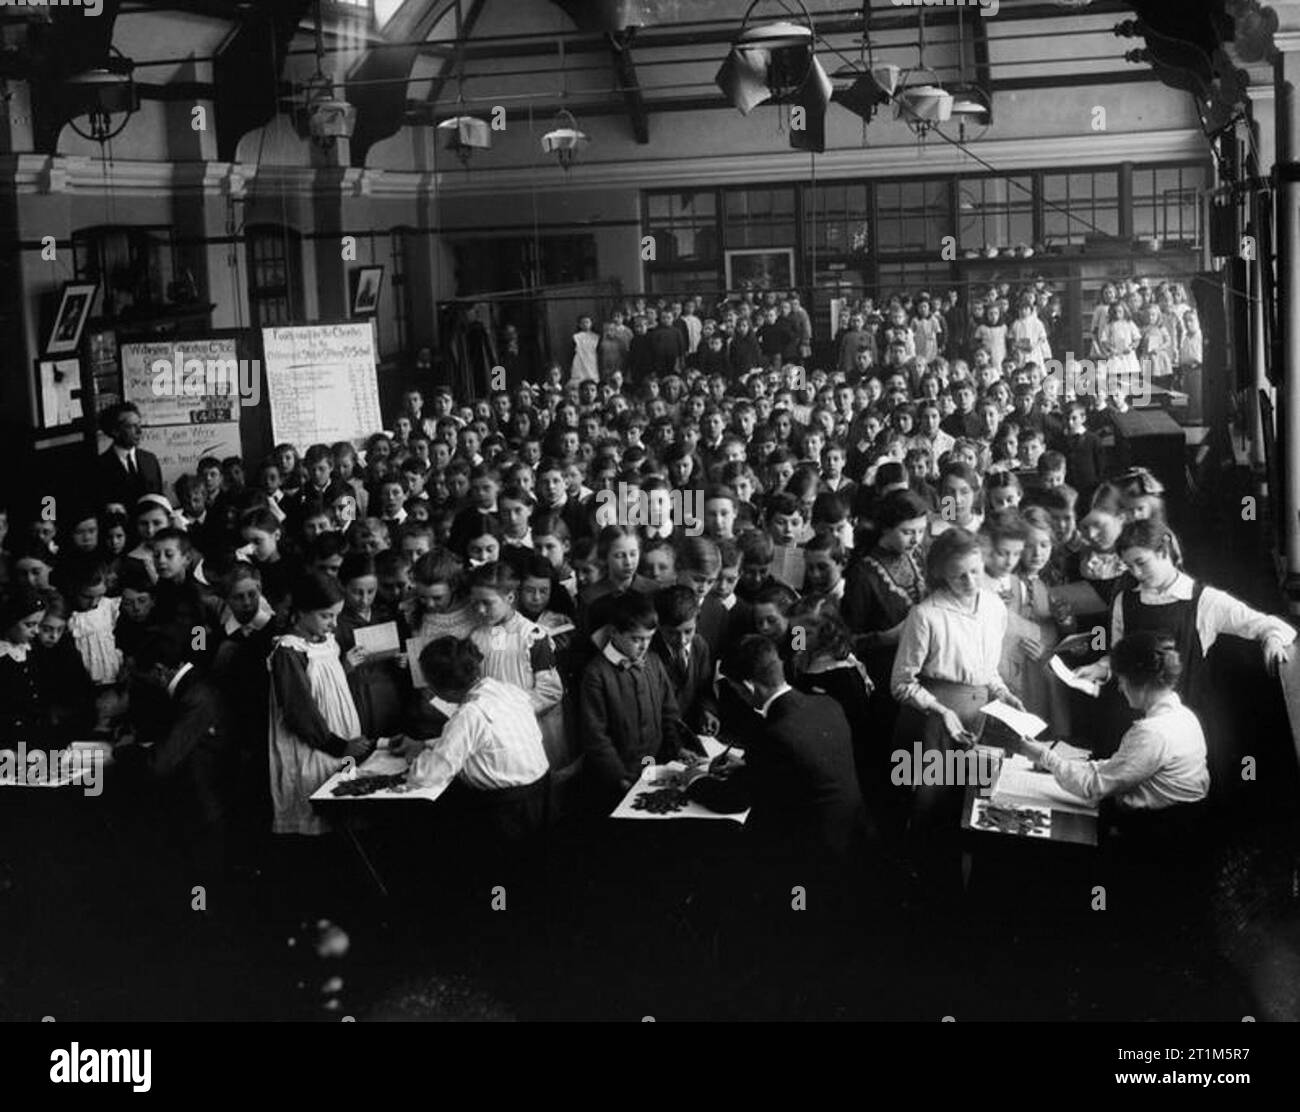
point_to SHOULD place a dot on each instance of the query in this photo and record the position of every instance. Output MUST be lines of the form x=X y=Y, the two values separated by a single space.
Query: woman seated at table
x=1160 y=763
x=490 y=743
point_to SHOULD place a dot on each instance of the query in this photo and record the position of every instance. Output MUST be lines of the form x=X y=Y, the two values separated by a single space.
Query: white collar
x=233 y=625
x=442 y=705
x=616 y=658
x=767 y=705
x=13 y=651
x=181 y=673
x=1180 y=590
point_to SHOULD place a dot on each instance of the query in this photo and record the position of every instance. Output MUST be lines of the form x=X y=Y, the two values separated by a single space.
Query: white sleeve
x=441 y=759
x=913 y=649
x=1218 y=612
x=1137 y=760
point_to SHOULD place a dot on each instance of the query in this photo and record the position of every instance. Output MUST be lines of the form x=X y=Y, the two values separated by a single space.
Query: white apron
x=298 y=769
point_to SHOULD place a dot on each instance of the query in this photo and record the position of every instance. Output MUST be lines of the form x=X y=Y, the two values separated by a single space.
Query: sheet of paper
x=1066 y=675
x=1022 y=722
x=379 y=640
x=415 y=646
x=1021 y=787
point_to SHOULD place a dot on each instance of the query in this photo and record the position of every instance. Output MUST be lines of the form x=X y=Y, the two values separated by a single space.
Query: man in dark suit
x=191 y=760
x=125 y=472
x=799 y=770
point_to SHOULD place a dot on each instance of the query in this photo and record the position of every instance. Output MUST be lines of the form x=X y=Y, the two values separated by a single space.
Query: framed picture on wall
x=60 y=391
x=366 y=281
x=74 y=308
x=760 y=269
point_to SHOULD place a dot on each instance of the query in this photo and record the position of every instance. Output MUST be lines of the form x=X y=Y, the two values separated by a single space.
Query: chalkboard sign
x=321 y=382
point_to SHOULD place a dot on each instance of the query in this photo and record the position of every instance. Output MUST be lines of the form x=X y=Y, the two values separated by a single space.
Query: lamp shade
x=924 y=104
x=465 y=133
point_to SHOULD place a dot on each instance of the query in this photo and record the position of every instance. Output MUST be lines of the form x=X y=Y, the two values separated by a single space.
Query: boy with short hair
x=686 y=656
x=627 y=704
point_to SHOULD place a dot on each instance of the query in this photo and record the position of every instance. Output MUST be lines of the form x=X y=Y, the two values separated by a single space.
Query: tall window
x=684 y=226
x=837 y=219
x=760 y=217
x=1079 y=206
x=995 y=212
x=274 y=274
x=1165 y=204
x=912 y=216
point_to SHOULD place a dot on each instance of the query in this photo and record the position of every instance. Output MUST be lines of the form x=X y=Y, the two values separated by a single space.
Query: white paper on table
x=1066 y=675
x=1021 y=787
x=1021 y=721
x=378 y=640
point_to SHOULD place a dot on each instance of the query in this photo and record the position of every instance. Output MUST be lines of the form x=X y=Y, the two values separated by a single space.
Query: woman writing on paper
x=1160 y=763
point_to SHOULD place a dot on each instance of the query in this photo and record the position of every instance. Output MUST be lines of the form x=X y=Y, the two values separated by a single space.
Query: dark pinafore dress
x=1195 y=686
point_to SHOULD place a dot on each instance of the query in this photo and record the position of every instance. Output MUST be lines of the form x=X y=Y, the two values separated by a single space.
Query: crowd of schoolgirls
x=915 y=526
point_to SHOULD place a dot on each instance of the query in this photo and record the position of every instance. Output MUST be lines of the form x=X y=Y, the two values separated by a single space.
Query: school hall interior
x=600 y=509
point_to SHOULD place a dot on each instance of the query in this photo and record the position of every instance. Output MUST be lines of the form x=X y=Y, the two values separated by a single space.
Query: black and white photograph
x=799 y=526
x=61 y=392
x=74 y=307
x=366 y=282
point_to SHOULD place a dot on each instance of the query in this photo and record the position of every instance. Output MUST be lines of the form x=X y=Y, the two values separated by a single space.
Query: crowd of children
x=916 y=526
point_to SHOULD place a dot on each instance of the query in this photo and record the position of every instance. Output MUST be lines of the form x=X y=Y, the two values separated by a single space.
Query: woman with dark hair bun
x=1160 y=762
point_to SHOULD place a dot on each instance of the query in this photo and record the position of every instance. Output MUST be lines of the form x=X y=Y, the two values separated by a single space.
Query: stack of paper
x=1018 y=786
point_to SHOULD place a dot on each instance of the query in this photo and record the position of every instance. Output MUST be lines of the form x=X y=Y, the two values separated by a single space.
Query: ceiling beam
x=714 y=31
x=464 y=29
x=418 y=111
x=620 y=43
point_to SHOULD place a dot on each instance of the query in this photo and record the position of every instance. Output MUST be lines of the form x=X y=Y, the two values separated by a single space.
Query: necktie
x=131 y=468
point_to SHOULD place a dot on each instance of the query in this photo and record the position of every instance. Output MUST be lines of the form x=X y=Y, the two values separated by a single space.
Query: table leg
x=365 y=858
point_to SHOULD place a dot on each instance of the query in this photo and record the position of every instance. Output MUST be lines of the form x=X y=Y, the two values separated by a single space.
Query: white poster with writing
x=180 y=447
x=322 y=383
x=189 y=393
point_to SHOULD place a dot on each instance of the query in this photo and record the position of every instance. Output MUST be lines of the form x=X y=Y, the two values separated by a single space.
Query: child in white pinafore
x=314 y=723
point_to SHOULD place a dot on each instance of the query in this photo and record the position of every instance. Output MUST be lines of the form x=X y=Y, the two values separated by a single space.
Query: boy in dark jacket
x=627 y=704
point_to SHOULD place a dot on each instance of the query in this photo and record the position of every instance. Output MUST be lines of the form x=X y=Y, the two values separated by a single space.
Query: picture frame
x=760 y=269
x=75 y=303
x=366 y=284
x=60 y=392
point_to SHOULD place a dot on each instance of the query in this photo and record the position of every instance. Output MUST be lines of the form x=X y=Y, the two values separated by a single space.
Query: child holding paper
x=375 y=679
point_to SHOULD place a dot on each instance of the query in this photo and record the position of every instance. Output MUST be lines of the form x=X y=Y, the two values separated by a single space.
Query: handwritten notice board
x=321 y=382
x=191 y=411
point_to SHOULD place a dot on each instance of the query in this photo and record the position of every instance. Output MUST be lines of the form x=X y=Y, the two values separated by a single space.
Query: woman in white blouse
x=1160 y=762
x=945 y=671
